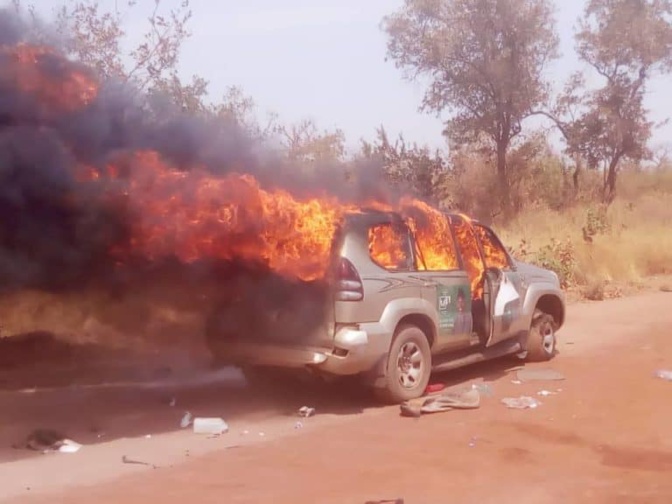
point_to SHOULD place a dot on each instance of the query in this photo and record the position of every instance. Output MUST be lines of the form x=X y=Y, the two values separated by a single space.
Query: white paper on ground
x=69 y=446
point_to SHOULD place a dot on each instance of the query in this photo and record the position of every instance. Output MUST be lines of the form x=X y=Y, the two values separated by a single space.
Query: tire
x=541 y=339
x=408 y=379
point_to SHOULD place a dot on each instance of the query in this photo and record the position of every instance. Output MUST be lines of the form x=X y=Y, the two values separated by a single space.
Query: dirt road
x=604 y=437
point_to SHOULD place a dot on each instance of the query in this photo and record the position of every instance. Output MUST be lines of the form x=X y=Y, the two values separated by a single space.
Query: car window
x=436 y=246
x=467 y=245
x=389 y=247
x=495 y=255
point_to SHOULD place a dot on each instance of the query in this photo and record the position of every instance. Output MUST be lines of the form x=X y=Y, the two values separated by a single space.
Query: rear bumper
x=355 y=350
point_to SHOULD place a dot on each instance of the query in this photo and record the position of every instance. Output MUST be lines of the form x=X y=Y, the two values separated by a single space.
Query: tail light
x=349 y=285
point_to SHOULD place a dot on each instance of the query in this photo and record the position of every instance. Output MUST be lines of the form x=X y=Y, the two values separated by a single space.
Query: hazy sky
x=325 y=59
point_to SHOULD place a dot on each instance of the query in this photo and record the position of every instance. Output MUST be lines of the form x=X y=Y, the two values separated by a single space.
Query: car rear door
x=445 y=285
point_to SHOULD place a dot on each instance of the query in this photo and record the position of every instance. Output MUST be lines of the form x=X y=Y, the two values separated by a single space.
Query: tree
x=625 y=42
x=305 y=143
x=485 y=60
x=408 y=166
x=239 y=108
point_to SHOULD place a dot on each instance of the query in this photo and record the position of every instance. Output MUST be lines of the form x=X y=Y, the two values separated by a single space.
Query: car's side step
x=504 y=348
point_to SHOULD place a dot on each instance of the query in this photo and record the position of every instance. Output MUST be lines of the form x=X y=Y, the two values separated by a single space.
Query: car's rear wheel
x=409 y=365
x=541 y=339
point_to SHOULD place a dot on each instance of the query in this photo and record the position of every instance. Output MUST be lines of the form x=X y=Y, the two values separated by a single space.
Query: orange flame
x=432 y=232
x=471 y=255
x=386 y=247
x=195 y=215
x=494 y=255
x=59 y=84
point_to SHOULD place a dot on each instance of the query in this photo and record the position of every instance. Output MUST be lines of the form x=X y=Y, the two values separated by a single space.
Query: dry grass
x=636 y=242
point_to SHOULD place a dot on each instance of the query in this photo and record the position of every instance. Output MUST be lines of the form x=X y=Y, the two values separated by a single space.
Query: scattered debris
x=472 y=442
x=522 y=402
x=48 y=441
x=186 y=420
x=539 y=375
x=69 y=446
x=664 y=374
x=126 y=460
x=467 y=399
x=516 y=382
x=245 y=432
x=210 y=426
x=148 y=436
x=262 y=434
x=306 y=412
x=434 y=387
x=172 y=402
x=298 y=425
x=483 y=388
x=546 y=393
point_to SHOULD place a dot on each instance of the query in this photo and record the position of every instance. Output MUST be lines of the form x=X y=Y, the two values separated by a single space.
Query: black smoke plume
x=57 y=232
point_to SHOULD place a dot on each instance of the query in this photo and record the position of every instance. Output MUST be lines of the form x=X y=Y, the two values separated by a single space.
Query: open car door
x=503 y=291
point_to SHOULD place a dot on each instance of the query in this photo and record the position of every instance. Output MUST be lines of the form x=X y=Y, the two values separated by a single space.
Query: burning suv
x=390 y=312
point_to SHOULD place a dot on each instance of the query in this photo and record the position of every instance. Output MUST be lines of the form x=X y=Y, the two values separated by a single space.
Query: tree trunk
x=609 y=188
x=502 y=178
x=576 y=176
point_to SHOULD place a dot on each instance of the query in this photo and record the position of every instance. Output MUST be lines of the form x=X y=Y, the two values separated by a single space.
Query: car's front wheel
x=541 y=339
x=409 y=366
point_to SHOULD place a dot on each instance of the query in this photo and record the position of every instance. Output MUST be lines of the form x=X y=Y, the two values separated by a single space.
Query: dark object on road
x=126 y=460
x=42 y=440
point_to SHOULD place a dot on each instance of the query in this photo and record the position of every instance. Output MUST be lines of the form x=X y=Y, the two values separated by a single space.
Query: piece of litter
x=69 y=446
x=298 y=425
x=127 y=460
x=306 y=412
x=539 y=375
x=522 y=402
x=186 y=420
x=262 y=434
x=245 y=432
x=472 y=442
x=172 y=402
x=664 y=374
x=483 y=389
x=148 y=436
x=516 y=382
x=210 y=426
x=546 y=393
x=435 y=387
x=466 y=399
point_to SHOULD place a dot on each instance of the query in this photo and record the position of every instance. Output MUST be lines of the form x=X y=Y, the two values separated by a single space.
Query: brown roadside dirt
x=604 y=437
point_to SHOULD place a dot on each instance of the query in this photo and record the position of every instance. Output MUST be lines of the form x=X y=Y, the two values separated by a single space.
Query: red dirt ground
x=605 y=437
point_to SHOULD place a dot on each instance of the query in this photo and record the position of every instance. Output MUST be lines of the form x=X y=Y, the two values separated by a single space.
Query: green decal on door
x=454 y=307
